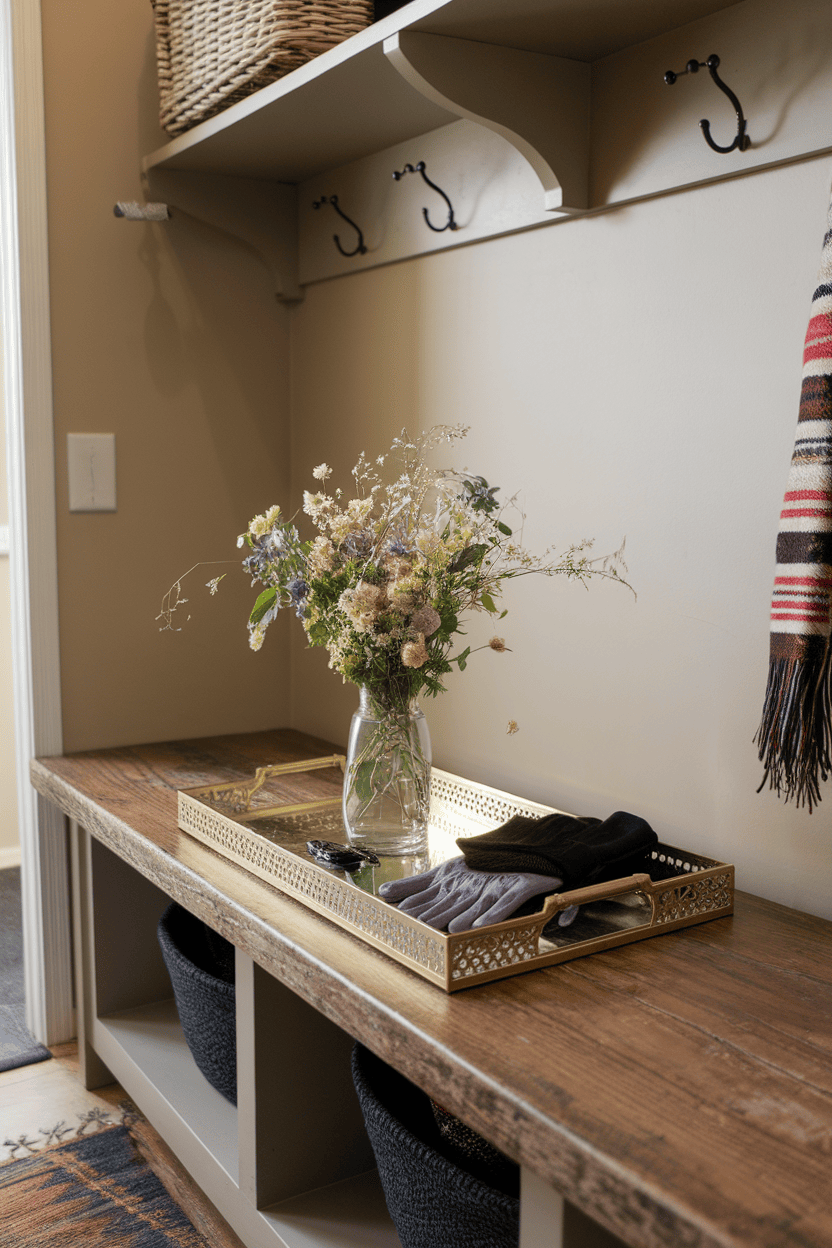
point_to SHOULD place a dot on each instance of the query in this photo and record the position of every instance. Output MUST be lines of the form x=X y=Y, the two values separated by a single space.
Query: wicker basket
x=212 y=53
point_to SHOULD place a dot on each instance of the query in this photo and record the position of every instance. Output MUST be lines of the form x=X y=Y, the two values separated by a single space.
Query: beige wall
x=170 y=336
x=634 y=374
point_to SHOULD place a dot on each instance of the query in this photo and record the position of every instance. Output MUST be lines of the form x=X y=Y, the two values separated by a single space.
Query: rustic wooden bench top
x=678 y=1090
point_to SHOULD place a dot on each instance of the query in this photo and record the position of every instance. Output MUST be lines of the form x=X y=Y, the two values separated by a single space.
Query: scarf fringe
x=795 y=734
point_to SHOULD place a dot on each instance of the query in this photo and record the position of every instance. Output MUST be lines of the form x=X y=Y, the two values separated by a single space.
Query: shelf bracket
x=258 y=212
x=539 y=103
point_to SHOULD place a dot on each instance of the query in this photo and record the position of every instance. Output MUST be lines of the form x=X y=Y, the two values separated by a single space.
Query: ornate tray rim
x=460 y=960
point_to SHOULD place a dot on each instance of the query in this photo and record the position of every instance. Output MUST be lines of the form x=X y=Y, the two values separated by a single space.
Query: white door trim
x=27 y=402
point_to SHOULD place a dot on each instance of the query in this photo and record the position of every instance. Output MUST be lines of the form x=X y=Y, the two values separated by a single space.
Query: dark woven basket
x=201 y=968
x=433 y=1201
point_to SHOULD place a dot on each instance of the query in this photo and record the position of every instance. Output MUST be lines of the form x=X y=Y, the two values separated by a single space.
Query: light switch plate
x=91 y=465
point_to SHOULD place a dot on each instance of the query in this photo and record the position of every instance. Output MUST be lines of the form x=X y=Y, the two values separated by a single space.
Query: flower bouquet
x=385 y=585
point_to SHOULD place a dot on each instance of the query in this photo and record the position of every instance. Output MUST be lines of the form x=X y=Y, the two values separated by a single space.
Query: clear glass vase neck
x=375 y=705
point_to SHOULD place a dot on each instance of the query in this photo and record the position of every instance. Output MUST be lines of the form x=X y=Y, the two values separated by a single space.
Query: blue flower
x=281 y=541
x=257 y=566
x=358 y=545
x=269 y=551
x=298 y=591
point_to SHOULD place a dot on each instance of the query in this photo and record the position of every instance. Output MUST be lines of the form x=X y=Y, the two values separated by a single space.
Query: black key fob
x=345 y=857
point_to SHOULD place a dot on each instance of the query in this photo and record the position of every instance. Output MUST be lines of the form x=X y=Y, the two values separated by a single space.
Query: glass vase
x=387 y=778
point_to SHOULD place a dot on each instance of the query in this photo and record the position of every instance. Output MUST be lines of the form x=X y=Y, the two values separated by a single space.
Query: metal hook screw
x=741 y=140
x=450 y=224
x=359 y=249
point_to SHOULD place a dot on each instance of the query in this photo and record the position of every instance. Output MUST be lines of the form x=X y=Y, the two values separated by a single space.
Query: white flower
x=318 y=506
x=261 y=525
x=414 y=653
x=362 y=605
x=347 y=523
x=322 y=472
x=512 y=727
x=359 y=508
x=321 y=556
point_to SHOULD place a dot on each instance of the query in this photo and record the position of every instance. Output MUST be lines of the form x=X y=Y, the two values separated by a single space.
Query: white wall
x=636 y=373
x=9 y=830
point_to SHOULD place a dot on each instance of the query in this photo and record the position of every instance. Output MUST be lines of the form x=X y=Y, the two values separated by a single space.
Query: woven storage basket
x=433 y=1200
x=211 y=53
x=201 y=968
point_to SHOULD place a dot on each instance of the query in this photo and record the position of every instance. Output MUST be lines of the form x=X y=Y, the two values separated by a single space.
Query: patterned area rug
x=94 y=1190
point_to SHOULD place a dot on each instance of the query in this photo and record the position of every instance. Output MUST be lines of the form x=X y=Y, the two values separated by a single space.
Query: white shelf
x=525 y=113
x=351 y=101
x=350 y=1214
x=288 y=1166
x=149 y=1040
x=146 y=1050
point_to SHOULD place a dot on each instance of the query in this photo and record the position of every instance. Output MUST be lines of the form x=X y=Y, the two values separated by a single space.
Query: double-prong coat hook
x=450 y=224
x=359 y=249
x=741 y=139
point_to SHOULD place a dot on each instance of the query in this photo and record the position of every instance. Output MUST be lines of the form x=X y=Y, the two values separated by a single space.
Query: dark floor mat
x=17 y=1046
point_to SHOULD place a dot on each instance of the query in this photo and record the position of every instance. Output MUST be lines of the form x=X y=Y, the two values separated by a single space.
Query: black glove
x=579 y=849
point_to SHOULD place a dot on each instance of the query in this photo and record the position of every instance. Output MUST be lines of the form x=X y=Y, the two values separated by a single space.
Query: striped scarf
x=794 y=734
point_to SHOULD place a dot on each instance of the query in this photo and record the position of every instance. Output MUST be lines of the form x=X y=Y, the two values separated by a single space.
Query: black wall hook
x=741 y=139
x=359 y=249
x=450 y=224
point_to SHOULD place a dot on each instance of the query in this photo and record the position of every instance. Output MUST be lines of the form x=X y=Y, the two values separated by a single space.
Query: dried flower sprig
x=174 y=599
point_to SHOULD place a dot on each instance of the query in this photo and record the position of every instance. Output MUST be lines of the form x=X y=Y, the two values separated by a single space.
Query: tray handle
x=240 y=795
x=594 y=892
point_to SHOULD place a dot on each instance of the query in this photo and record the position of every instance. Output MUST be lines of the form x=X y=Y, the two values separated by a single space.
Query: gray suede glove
x=455 y=897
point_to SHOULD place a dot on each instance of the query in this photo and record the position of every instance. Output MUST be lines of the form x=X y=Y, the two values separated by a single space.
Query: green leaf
x=462 y=659
x=471 y=554
x=488 y=602
x=504 y=528
x=263 y=604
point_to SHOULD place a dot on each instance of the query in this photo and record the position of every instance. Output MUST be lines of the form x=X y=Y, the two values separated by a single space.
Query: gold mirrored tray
x=264 y=824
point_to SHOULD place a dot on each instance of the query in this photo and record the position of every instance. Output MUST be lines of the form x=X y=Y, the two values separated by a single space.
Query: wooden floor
x=46 y=1103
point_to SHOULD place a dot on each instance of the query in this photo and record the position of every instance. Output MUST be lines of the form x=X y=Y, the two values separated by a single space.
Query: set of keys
x=344 y=857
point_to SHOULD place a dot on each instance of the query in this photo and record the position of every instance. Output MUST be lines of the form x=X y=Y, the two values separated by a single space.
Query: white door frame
x=27 y=403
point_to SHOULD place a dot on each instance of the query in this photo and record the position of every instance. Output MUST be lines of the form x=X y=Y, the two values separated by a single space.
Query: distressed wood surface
x=678 y=1090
